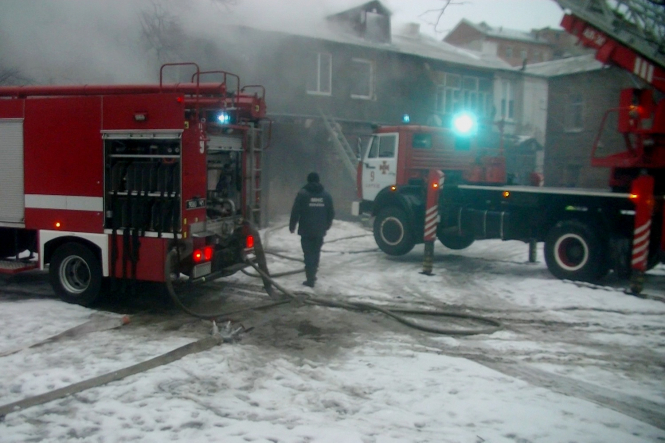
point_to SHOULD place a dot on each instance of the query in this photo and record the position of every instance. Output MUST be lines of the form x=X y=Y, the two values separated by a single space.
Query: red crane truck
x=101 y=182
x=586 y=232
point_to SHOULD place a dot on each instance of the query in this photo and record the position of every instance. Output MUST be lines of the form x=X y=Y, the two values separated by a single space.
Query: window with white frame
x=449 y=94
x=319 y=73
x=466 y=93
x=485 y=106
x=507 y=111
x=573 y=119
x=362 y=78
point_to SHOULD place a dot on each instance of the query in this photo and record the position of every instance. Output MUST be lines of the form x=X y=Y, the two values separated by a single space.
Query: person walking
x=313 y=212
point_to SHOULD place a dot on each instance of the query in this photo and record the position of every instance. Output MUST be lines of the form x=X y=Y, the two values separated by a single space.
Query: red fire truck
x=586 y=232
x=101 y=183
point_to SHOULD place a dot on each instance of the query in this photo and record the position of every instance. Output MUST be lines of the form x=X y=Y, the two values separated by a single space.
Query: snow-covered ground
x=571 y=364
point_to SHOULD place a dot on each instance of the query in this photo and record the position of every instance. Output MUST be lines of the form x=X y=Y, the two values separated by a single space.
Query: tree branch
x=440 y=12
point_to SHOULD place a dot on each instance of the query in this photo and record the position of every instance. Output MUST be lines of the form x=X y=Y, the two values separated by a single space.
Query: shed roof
x=565 y=66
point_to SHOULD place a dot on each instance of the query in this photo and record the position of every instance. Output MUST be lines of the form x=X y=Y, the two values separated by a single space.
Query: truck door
x=379 y=164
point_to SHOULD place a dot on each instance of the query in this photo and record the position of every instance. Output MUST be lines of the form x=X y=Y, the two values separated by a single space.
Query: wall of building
x=568 y=150
x=534 y=97
x=402 y=84
x=462 y=35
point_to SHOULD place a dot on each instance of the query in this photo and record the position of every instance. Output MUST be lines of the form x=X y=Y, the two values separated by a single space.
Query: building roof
x=375 y=4
x=503 y=33
x=429 y=47
x=565 y=66
x=311 y=19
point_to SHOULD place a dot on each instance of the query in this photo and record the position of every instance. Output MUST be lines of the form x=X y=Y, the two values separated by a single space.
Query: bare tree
x=161 y=32
x=439 y=12
x=12 y=76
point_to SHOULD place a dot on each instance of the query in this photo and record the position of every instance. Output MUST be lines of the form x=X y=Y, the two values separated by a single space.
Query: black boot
x=311 y=278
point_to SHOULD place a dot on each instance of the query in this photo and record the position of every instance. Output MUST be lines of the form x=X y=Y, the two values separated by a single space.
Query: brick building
x=513 y=46
x=580 y=91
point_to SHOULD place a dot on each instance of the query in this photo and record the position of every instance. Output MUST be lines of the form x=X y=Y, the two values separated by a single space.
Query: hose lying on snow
x=208 y=316
x=393 y=312
x=396 y=313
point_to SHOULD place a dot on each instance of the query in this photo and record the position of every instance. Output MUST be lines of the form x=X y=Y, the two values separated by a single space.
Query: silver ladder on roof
x=344 y=151
x=639 y=24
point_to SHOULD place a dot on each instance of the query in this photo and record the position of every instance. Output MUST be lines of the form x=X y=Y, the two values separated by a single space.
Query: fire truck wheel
x=392 y=231
x=456 y=242
x=75 y=274
x=574 y=252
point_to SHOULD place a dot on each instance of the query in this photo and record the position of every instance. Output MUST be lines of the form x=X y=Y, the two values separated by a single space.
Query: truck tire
x=75 y=274
x=392 y=231
x=456 y=242
x=574 y=252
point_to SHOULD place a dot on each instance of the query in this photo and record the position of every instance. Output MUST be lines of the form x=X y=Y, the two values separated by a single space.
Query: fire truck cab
x=404 y=155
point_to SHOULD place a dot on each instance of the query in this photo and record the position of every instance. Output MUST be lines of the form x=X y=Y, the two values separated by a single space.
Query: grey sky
x=515 y=14
x=63 y=40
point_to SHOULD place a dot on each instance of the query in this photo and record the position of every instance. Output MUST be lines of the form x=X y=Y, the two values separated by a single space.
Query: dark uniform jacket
x=312 y=211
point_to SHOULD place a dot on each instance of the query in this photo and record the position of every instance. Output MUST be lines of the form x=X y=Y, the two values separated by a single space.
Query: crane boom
x=627 y=33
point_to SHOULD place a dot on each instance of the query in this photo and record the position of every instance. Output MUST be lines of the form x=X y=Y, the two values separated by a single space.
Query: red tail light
x=204 y=254
x=207 y=253
x=249 y=242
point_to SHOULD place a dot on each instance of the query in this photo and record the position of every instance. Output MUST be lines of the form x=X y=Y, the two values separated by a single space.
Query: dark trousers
x=311 y=248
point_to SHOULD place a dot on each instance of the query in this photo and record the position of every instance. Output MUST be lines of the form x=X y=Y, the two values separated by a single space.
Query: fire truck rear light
x=207 y=253
x=197 y=256
x=633 y=196
x=57 y=224
x=249 y=243
x=435 y=185
x=637 y=112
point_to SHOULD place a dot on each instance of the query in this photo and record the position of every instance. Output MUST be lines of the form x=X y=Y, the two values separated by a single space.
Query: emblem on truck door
x=384 y=167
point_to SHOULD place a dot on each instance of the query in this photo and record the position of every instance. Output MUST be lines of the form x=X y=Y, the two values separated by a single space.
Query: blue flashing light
x=406 y=118
x=224 y=118
x=464 y=124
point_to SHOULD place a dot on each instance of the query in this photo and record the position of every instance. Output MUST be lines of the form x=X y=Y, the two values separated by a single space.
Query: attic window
x=377 y=27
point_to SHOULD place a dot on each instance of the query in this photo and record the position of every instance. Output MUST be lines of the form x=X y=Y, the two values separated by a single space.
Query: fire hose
x=398 y=314
x=216 y=339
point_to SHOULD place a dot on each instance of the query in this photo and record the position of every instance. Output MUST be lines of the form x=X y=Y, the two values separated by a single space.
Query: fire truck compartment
x=12 y=203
